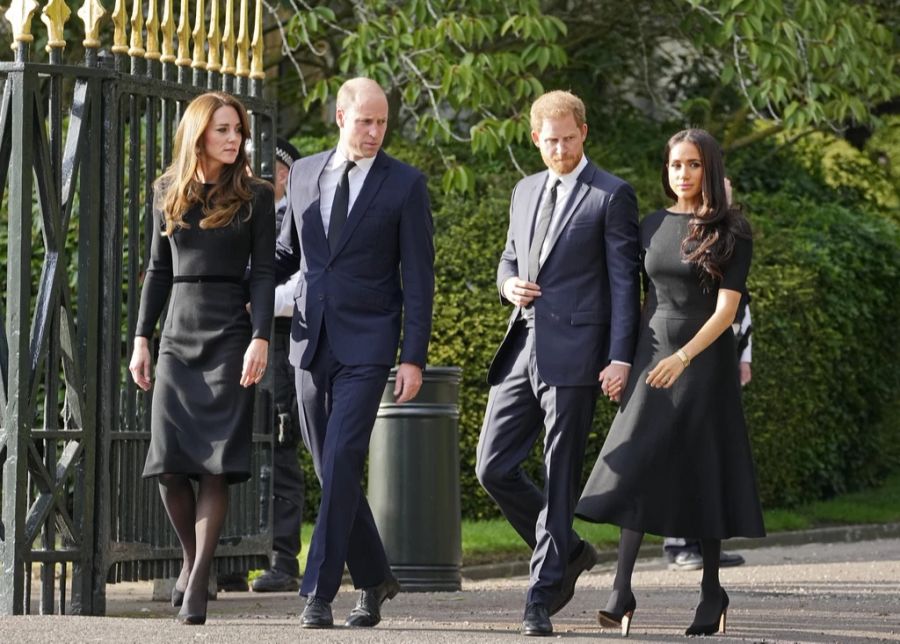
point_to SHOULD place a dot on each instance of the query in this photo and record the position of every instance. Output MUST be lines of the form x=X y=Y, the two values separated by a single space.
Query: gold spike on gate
x=243 y=57
x=214 y=37
x=228 y=39
x=91 y=13
x=152 y=31
x=257 y=67
x=199 y=36
x=120 y=38
x=137 y=28
x=55 y=15
x=168 y=33
x=184 y=36
x=19 y=15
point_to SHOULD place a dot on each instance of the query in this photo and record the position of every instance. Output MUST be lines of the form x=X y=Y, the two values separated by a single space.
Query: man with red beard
x=571 y=270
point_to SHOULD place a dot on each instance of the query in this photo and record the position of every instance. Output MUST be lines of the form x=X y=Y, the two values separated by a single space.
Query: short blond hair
x=352 y=90
x=556 y=104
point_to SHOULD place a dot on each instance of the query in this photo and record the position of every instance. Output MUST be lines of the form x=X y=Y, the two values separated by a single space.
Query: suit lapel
x=526 y=219
x=582 y=187
x=376 y=176
x=316 y=220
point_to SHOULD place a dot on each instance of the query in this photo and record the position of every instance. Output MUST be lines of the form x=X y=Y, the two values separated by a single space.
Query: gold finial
x=184 y=36
x=152 y=31
x=258 y=68
x=168 y=32
x=243 y=57
x=199 y=35
x=228 y=39
x=91 y=13
x=120 y=40
x=19 y=15
x=214 y=37
x=137 y=27
x=54 y=16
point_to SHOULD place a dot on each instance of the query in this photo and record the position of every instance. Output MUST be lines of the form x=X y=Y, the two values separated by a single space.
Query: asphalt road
x=838 y=592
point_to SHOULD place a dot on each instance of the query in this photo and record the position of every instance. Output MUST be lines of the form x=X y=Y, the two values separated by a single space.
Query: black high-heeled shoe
x=714 y=627
x=610 y=619
x=177 y=597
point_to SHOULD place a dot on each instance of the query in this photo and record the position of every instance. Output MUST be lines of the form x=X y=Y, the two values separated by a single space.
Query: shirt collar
x=338 y=160
x=568 y=180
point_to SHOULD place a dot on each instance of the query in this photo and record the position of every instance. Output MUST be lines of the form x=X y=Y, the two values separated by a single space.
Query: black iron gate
x=79 y=148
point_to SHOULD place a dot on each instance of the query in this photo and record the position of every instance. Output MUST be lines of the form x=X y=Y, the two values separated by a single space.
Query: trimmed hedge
x=822 y=407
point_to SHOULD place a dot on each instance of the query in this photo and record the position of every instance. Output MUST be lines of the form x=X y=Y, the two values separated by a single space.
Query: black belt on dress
x=200 y=279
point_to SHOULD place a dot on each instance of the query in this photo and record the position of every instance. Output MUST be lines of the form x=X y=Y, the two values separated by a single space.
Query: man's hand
x=409 y=381
x=613 y=379
x=520 y=292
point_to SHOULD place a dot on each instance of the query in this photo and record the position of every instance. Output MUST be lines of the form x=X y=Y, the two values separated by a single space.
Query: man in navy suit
x=571 y=270
x=358 y=226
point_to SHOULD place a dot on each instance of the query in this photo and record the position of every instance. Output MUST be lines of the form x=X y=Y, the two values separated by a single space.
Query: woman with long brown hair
x=677 y=461
x=210 y=219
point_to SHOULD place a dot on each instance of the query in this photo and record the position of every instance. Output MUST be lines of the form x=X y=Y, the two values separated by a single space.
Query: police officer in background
x=283 y=574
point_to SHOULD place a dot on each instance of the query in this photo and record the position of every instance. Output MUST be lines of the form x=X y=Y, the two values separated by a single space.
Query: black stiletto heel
x=177 y=597
x=717 y=626
x=610 y=619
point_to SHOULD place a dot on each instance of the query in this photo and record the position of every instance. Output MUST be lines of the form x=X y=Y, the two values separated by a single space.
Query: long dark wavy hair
x=715 y=224
x=178 y=189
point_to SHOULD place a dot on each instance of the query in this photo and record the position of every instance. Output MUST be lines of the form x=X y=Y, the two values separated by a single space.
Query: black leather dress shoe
x=585 y=559
x=367 y=612
x=536 y=621
x=317 y=614
x=275 y=581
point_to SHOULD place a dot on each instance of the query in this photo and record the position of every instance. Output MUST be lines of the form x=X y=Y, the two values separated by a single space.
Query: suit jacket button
x=321 y=297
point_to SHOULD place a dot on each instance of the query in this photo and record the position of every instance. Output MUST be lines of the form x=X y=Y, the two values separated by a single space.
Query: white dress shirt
x=568 y=183
x=332 y=174
x=284 y=292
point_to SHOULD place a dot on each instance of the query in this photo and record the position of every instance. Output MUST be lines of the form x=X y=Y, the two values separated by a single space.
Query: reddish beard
x=561 y=165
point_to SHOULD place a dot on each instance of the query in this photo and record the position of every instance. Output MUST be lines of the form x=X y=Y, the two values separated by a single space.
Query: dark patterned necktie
x=541 y=226
x=339 y=207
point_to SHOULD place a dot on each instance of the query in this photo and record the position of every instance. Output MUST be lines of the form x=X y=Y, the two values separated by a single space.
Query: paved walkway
x=839 y=592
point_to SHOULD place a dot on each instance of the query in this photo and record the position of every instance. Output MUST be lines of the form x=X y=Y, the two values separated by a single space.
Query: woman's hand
x=255 y=359
x=666 y=372
x=140 y=366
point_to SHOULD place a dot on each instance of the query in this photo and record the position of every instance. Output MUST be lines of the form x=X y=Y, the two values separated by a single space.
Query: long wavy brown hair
x=715 y=224
x=178 y=188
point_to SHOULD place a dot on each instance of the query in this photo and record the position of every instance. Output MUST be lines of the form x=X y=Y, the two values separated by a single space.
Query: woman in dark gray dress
x=677 y=459
x=210 y=218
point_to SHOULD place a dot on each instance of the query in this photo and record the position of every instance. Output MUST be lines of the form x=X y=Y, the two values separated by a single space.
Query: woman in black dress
x=210 y=218
x=677 y=459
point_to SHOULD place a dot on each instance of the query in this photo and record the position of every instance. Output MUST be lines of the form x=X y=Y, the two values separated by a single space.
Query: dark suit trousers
x=287 y=478
x=517 y=409
x=338 y=405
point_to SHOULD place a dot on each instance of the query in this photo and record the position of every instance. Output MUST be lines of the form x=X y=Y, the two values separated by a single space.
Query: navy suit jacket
x=379 y=277
x=589 y=306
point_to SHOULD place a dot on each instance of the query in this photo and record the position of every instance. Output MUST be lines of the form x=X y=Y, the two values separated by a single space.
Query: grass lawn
x=495 y=540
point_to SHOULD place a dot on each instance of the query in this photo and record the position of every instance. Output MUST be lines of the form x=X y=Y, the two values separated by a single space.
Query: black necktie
x=339 y=207
x=541 y=226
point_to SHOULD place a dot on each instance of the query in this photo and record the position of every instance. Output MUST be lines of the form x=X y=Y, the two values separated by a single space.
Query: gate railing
x=79 y=148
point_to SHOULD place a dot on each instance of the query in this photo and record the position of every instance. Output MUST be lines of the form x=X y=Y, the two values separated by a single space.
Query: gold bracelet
x=683 y=356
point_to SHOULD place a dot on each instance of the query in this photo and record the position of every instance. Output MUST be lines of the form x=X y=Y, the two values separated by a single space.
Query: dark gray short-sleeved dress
x=201 y=416
x=677 y=461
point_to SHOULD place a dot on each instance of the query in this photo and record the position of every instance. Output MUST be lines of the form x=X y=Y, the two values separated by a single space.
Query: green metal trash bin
x=414 y=482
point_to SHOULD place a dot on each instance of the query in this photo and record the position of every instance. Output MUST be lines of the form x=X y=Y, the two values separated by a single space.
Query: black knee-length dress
x=677 y=461
x=201 y=416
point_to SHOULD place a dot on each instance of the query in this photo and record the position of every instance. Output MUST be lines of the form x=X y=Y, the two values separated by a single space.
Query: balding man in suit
x=357 y=226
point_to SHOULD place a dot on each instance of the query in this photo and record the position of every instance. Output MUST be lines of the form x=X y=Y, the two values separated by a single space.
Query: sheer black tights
x=629 y=544
x=197 y=519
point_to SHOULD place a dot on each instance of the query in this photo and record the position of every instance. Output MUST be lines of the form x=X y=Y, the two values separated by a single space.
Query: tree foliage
x=454 y=70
